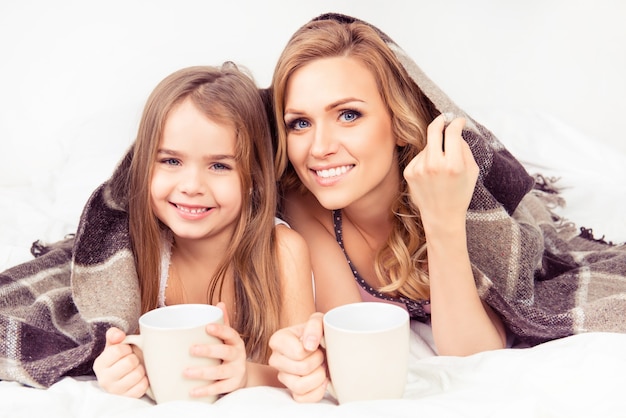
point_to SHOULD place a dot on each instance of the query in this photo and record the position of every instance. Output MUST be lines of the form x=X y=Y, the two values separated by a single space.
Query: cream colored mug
x=367 y=351
x=165 y=336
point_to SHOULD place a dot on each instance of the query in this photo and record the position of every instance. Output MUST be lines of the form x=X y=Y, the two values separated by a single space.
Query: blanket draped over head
x=544 y=278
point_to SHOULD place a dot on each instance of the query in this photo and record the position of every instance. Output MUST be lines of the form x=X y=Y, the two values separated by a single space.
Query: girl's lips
x=192 y=212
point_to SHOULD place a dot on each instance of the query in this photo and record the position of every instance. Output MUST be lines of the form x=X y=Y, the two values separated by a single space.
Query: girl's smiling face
x=195 y=187
x=339 y=135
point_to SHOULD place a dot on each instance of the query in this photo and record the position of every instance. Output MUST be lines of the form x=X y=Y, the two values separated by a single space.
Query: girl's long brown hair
x=400 y=263
x=229 y=96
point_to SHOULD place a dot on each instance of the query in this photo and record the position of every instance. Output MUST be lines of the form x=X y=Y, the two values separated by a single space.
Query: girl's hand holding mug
x=119 y=368
x=231 y=373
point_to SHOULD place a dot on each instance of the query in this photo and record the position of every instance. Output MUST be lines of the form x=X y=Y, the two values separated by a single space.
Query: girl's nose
x=192 y=182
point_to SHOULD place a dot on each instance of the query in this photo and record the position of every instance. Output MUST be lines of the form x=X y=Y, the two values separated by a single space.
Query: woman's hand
x=297 y=356
x=119 y=368
x=442 y=177
x=232 y=373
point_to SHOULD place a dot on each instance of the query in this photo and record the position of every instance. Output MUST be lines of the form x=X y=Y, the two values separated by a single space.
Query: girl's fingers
x=134 y=383
x=114 y=336
x=228 y=335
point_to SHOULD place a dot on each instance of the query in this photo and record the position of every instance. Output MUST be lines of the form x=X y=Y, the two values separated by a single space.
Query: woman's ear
x=401 y=142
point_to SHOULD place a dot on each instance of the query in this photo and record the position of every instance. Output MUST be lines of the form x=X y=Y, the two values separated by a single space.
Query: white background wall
x=74 y=74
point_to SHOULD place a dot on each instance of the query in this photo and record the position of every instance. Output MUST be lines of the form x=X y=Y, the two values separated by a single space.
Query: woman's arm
x=441 y=182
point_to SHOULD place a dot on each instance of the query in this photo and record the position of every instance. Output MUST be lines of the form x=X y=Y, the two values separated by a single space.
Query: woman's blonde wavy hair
x=225 y=95
x=401 y=262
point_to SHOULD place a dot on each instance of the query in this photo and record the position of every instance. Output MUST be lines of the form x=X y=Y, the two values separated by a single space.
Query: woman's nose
x=324 y=142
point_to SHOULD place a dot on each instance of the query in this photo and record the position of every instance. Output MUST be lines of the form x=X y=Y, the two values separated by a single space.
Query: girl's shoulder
x=279 y=221
x=286 y=237
x=292 y=251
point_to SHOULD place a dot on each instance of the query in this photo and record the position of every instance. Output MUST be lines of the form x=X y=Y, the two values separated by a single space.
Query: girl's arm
x=298 y=299
x=296 y=277
x=441 y=183
x=295 y=349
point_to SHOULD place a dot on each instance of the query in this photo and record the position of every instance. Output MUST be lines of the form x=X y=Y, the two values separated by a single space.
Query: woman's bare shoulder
x=302 y=211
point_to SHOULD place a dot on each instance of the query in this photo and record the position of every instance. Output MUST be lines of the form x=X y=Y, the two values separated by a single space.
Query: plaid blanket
x=55 y=309
x=546 y=280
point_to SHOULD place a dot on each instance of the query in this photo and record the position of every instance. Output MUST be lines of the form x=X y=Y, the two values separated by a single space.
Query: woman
x=398 y=205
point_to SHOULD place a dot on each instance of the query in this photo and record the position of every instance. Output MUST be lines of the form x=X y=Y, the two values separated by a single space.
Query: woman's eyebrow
x=342 y=102
x=328 y=107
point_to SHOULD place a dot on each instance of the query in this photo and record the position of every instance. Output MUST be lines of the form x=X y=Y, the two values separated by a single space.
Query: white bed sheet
x=573 y=377
x=579 y=376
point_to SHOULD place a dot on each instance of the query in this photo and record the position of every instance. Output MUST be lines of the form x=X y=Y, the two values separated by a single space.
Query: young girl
x=404 y=203
x=202 y=185
x=189 y=217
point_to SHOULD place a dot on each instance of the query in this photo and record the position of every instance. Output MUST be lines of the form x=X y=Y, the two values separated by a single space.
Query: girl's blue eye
x=170 y=161
x=349 y=115
x=220 y=167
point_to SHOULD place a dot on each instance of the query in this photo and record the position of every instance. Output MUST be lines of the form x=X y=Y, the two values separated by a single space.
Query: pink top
x=368 y=297
x=417 y=309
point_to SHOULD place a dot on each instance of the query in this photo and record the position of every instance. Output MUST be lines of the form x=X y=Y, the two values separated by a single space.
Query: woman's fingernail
x=310 y=343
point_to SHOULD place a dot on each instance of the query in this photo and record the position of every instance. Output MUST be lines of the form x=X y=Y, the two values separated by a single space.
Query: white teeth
x=332 y=172
x=190 y=210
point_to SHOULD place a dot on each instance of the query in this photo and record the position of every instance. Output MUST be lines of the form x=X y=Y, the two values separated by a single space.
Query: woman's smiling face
x=339 y=135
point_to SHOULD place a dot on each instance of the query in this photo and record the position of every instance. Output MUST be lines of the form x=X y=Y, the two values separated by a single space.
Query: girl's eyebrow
x=219 y=157
x=167 y=151
x=213 y=157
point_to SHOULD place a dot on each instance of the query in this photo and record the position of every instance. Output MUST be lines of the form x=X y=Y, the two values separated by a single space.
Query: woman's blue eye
x=298 y=124
x=349 y=115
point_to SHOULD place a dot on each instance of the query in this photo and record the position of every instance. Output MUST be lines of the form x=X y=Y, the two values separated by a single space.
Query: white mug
x=367 y=351
x=166 y=336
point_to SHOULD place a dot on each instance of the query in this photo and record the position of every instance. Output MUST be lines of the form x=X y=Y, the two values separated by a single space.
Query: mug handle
x=138 y=341
x=330 y=388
